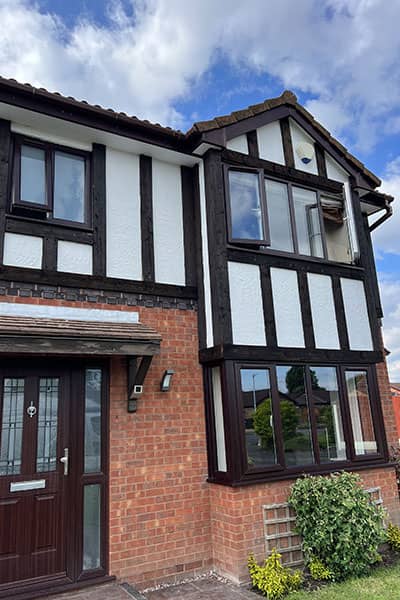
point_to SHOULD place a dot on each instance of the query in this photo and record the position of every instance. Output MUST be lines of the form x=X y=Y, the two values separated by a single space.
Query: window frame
x=265 y=244
x=238 y=470
x=44 y=212
x=263 y=206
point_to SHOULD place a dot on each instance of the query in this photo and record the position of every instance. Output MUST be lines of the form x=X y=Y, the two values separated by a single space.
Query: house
x=188 y=322
x=395 y=392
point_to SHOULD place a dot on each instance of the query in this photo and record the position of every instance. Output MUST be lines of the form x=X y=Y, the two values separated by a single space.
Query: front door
x=44 y=525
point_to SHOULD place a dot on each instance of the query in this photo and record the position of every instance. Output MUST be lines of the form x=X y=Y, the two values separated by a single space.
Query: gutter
x=383 y=218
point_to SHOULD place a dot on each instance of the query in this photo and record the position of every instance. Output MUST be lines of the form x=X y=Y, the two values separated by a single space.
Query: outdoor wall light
x=305 y=152
x=166 y=380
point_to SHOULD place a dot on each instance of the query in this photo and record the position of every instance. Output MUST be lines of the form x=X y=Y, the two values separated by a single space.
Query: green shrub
x=338 y=523
x=272 y=579
x=393 y=537
x=318 y=570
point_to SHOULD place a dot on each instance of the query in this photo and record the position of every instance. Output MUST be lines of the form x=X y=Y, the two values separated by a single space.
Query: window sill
x=274 y=476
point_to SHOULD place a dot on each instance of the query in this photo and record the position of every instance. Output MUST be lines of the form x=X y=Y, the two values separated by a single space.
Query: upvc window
x=295 y=418
x=281 y=216
x=50 y=182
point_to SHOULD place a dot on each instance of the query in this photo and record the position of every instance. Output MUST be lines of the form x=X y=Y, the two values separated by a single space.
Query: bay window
x=284 y=217
x=279 y=420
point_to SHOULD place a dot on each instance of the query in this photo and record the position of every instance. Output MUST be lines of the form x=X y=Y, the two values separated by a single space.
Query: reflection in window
x=279 y=216
x=360 y=413
x=33 y=175
x=295 y=417
x=307 y=222
x=246 y=217
x=258 y=417
x=327 y=414
x=69 y=187
x=93 y=421
x=12 y=425
x=47 y=425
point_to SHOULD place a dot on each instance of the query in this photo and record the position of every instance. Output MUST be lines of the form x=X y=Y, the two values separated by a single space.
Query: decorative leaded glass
x=12 y=425
x=47 y=424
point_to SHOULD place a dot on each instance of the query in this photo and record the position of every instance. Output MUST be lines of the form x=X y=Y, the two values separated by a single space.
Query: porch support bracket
x=138 y=367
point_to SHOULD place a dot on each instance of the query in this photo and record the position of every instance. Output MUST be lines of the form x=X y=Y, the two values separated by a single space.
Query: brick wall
x=159 y=498
x=237 y=518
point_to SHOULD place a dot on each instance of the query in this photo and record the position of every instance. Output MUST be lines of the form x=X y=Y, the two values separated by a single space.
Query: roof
x=286 y=98
x=396 y=386
x=55 y=336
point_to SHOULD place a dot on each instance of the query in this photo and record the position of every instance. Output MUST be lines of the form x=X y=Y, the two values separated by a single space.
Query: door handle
x=64 y=460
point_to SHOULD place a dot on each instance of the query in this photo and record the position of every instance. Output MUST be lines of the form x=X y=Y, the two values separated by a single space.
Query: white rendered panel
x=270 y=146
x=323 y=311
x=356 y=313
x=205 y=258
x=23 y=250
x=73 y=257
x=219 y=419
x=287 y=309
x=335 y=171
x=299 y=136
x=238 y=144
x=124 y=243
x=247 y=311
x=41 y=311
x=169 y=261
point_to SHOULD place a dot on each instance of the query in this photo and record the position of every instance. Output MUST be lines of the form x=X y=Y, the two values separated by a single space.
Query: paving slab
x=206 y=588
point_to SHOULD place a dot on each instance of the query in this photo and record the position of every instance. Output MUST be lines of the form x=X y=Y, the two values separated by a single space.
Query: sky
x=178 y=61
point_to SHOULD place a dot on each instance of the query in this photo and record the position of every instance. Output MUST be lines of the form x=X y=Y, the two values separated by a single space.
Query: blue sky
x=176 y=61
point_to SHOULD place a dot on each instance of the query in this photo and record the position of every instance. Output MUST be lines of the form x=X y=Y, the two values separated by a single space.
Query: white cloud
x=386 y=238
x=390 y=294
x=343 y=52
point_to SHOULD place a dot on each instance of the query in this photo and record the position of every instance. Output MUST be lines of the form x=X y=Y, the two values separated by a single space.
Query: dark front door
x=53 y=481
x=33 y=474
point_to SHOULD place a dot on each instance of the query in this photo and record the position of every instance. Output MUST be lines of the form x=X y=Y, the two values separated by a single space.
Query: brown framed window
x=285 y=419
x=284 y=217
x=50 y=182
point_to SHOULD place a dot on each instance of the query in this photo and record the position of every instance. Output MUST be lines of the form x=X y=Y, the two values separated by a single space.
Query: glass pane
x=246 y=215
x=325 y=388
x=69 y=187
x=93 y=421
x=307 y=222
x=336 y=229
x=296 y=428
x=33 y=175
x=279 y=216
x=360 y=413
x=258 y=417
x=91 y=526
x=47 y=425
x=219 y=418
x=11 y=428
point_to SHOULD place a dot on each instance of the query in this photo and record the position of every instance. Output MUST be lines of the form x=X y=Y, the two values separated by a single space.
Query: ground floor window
x=278 y=418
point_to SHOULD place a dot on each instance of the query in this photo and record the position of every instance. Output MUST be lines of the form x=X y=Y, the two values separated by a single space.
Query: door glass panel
x=46 y=459
x=33 y=175
x=280 y=229
x=258 y=418
x=307 y=222
x=12 y=424
x=93 y=421
x=246 y=218
x=328 y=416
x=91 y=526
x=69 y=187
x=360 y=413
x=295 y=416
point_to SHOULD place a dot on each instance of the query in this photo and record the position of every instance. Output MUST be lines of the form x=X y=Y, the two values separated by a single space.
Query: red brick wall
x=159 y=498
x=237 y=518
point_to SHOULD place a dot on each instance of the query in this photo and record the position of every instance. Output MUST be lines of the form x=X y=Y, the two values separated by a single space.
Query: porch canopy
x=35 y=329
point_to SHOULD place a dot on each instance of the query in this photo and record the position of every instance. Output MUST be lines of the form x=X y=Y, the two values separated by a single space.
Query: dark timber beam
x=146 y=210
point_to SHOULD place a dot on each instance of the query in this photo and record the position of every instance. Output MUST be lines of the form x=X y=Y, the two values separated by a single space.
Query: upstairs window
x=50 y=182
x=285 y=217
